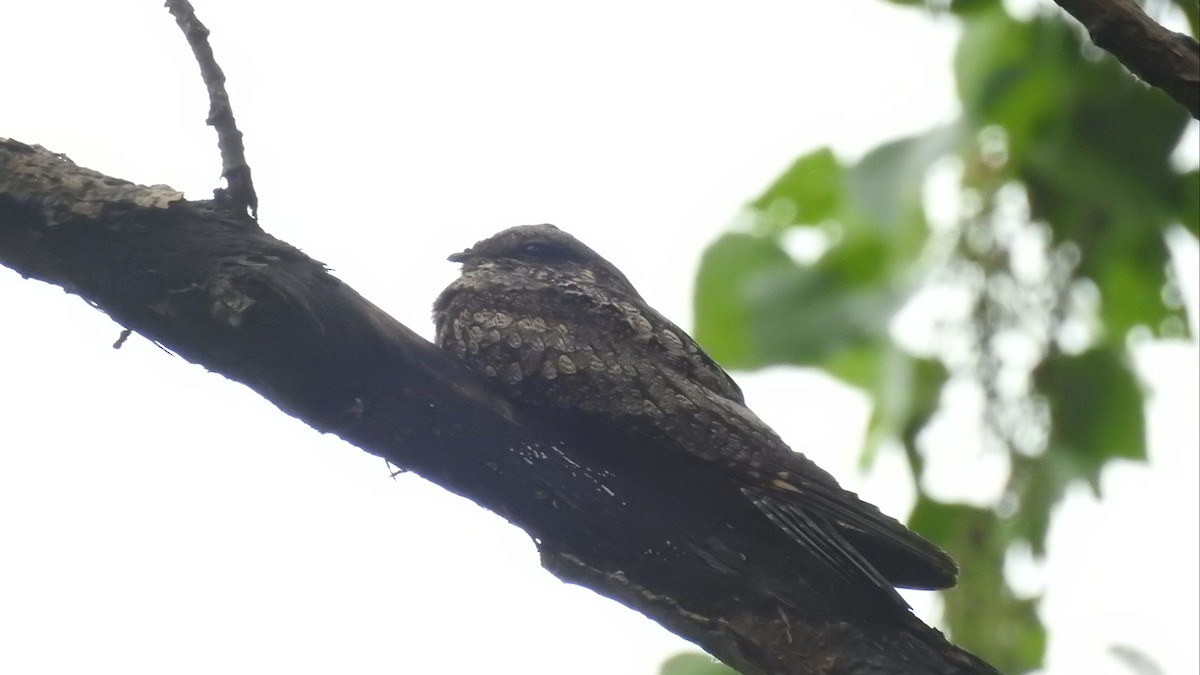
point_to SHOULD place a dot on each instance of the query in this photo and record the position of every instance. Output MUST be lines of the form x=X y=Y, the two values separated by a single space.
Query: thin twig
x=1164 y=59
x=240 y=191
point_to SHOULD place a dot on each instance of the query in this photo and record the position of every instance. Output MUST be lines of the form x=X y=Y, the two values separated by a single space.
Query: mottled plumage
x=552 y=324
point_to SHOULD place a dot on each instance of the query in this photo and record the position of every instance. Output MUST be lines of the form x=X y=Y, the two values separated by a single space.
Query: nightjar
x=553 y=325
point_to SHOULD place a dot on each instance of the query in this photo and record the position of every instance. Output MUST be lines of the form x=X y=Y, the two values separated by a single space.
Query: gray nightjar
x=553 y=325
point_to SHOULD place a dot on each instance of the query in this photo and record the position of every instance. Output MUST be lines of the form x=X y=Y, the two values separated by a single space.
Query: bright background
x=156 y=518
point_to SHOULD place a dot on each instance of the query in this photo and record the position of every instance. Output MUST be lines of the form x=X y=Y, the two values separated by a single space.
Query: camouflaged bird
x=552 y=324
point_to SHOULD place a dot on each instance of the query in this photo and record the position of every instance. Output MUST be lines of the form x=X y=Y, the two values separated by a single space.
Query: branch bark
x=1164 y=59
x=213 y=287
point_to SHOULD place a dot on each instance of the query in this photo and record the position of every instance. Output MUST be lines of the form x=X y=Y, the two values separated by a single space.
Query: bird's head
x=543 y=251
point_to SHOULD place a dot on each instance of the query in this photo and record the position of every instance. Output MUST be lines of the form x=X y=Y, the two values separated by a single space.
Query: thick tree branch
x=220 y=292
x=1164 y=59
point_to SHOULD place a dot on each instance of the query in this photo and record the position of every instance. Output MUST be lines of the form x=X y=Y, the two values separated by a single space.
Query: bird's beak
x=459 y=257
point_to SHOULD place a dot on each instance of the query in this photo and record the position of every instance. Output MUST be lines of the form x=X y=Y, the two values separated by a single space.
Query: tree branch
x=1164 y=59
x=240 y=192
x=217 y=290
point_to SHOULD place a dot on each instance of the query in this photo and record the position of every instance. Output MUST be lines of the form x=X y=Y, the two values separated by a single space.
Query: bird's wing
x=821 y=537
x=641 y=368
x=807 y=502
x=799 y=496
x=654 y=336
x=899 y=555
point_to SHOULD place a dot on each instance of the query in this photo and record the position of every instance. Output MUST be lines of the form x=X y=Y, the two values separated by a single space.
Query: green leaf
x=884 y=191
x=982 y=613
x=1131 y=279
x=859 y=365
x=1096 y=411
x=1038 y=484
x=803 y=314
x=754 y=306
x=1189 y=201
x=1007 y=72
x=965 y=7
x=807 y=193
x=943 y=523
x=905 y=391
x=695 y=664
x=885 y=185
x=1090 y=172
x=724 y=319
x=923 y=382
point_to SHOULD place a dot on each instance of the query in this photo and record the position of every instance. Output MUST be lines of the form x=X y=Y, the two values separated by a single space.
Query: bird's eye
x=540 y=249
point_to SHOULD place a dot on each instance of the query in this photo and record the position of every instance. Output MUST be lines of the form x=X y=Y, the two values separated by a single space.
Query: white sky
x=156 y=518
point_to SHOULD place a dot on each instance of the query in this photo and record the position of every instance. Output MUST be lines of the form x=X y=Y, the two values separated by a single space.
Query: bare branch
x=1164 y=59
x=240 y=193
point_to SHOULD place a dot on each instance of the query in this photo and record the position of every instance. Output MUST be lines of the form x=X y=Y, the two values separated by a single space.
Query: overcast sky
x=157 y=518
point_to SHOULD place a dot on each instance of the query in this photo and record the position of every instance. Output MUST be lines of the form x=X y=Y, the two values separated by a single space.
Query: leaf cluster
x=1064 y=185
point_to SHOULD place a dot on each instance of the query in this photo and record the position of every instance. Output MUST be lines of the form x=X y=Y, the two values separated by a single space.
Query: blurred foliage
x=1060 y=176
x=694 y=664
